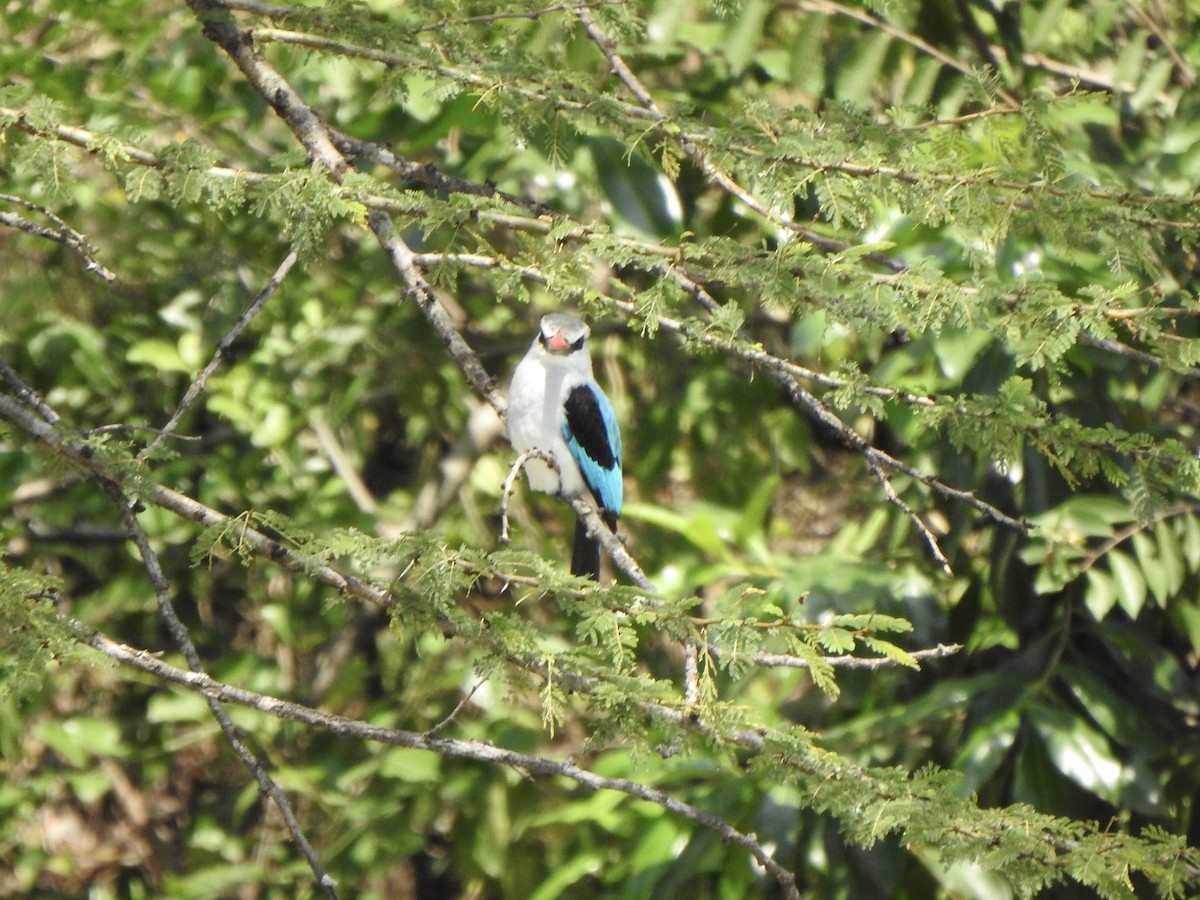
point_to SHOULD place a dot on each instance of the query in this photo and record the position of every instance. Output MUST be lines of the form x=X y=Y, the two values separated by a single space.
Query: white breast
x=535 y=401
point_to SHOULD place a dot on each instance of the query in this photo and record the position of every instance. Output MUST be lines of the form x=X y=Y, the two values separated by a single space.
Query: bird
x=556 y=406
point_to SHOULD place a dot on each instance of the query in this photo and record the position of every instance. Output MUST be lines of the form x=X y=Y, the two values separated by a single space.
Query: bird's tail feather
x=585 y=553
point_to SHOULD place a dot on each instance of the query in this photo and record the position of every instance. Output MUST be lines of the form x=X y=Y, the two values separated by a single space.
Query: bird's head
x=562 y=334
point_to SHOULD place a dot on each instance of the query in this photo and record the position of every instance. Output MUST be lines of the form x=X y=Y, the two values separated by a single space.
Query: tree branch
x=783 y=660
x=196 y=388
x=61 y=233
x=27 y=395
x=218 y=692
x=611 y=542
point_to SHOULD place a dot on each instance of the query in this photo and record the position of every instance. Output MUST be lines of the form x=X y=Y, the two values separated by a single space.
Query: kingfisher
x=556 y=406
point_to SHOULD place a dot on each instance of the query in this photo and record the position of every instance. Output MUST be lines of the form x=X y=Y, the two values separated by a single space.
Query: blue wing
x=590 y=429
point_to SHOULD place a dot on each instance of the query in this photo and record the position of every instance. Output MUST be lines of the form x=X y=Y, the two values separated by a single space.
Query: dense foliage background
x=896 y=306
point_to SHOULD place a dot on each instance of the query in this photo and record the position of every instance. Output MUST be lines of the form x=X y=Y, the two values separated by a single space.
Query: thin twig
x=1186 y=75
x=872 y=454
x=342 y=464
x=62 y=233
x=419 y=290
x=274 y=12
x=196 y=388
x=428 y=175
x=510 y=483
x=501 y=16
x=889 y=491
x=752 y=353
x=787 y=661
x=1139 y=356
x=264 y=9
x=453 y=714
x=1124 y=534
x=124 y=428
x=26 y=393
x=691 y=672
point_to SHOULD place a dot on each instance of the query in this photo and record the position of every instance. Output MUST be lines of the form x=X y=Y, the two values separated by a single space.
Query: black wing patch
x=585 y=421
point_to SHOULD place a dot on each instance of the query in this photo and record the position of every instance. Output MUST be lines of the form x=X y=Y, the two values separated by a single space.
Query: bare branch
x=890 y=492
x=782 y=660
x=853 y=439
x=61 y=233
x=27 y=394
x=510 y=483
x=611 y=543
x=422 y=294
x=427 y=175
x=196 y=388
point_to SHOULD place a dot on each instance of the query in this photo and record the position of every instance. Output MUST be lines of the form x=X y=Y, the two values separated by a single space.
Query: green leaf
x=1101 y=593
x=644 y=199
x=1170 y=558
x=1128 y=581
x=82 y=738
x=836 y=640
x=158 y=354
x=410 y=765
x=1185 y=616
x=891 y=651
x=1080 y=752
x=1154 y=574
x=985 y=748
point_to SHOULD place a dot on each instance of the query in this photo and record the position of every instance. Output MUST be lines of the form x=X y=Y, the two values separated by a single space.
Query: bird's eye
x=578 y=345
